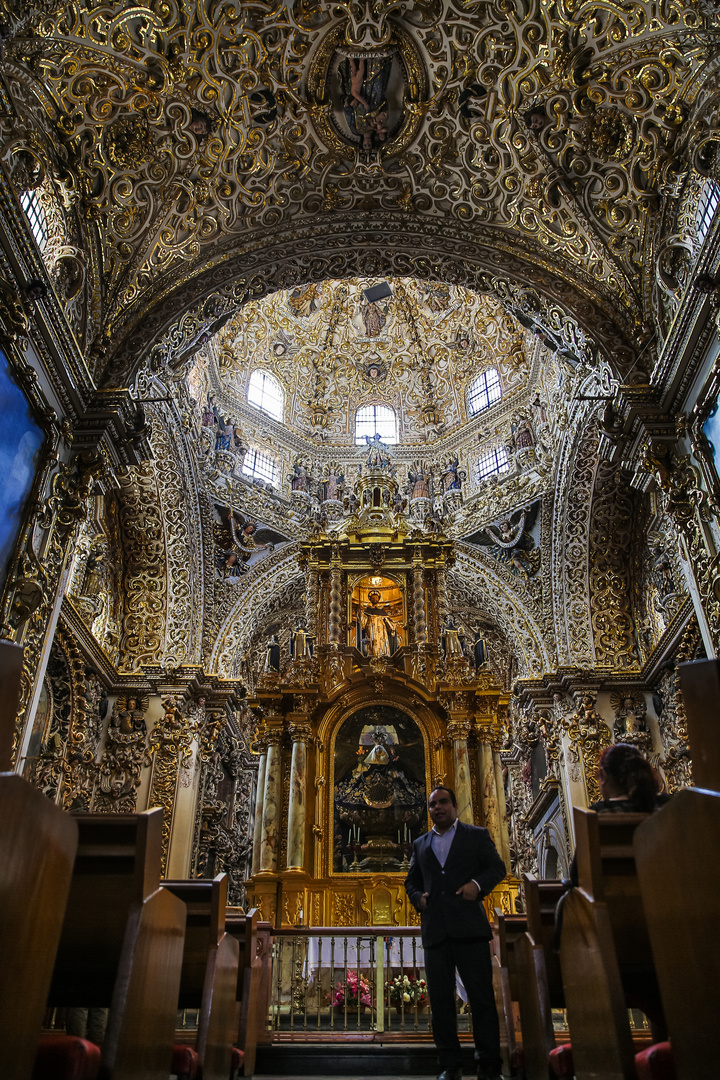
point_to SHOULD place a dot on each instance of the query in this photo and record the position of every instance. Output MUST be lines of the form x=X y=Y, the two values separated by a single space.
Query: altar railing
x=360 y=982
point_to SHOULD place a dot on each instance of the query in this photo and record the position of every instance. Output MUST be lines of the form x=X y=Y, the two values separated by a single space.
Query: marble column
x=297 y=808
x=458 y=730
x=259 y=798
x=488 y=794
x=419 y=619
x=504 y=847
x=272 y=805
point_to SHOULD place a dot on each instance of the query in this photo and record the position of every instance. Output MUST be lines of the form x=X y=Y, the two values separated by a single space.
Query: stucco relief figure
x=333 y=485
x=450 y=477
x=299 y=480
x=479 y=650
x=378 y=452
x=363 y=82
x=419 y=484
x=522 y=433
x=374 y=318
x=302 y=300
x=509 y=541
x=378 y=627
x=301 y=642
x=127 y=716
x=272 y=654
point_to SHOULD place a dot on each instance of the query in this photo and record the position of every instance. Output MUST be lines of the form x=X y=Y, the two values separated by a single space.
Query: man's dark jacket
x=472 y=857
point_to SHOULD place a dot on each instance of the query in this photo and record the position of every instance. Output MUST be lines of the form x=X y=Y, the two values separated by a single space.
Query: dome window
x=375 y=420
x=265 y=393
x=259 y=466
x=491 y=462
x=484 y=391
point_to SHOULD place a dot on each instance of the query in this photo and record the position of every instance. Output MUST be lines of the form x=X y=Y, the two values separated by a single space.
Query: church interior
x=360 y=387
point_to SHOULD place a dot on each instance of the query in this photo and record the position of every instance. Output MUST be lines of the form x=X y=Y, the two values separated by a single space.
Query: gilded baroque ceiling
x=417 y=351
x=274 y=144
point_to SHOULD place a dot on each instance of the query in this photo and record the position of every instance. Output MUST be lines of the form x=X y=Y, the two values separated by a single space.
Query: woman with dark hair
x=627 y=782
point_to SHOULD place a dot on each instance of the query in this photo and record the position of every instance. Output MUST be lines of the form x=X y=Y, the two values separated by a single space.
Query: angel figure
x=378 y=452
x=513 y=545
x=238 y=539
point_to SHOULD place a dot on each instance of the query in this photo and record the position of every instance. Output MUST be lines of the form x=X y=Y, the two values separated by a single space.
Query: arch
x=484 y=259
x=506 y=606
x=266 y=393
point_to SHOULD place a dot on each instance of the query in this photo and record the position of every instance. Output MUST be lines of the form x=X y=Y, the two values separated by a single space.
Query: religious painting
x=366 y=92
x=377 y=616
x=21 y=443
x=379 y=793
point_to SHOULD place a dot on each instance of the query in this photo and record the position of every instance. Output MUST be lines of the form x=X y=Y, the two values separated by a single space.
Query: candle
x=399 y=841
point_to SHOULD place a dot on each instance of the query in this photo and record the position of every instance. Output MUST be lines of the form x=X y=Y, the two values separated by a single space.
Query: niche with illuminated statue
x=376 y=623
x=379 y=791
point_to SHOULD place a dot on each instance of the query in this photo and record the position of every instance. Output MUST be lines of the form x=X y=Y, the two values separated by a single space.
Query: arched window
x=492 y=461
x=259 y=466
x=706 y=209
x=484 y=392
x=266 y=393
x=375 y=420
x=35 y=214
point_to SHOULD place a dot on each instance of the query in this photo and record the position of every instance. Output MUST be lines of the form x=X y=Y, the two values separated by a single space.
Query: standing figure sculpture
x=377 y=626
x=450 y=638
x=301 y=646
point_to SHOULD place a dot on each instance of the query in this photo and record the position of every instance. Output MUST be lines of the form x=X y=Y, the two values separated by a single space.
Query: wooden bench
x=540 y=988
x=122 y=942
x=37 y=851
x=508 y=930
x=244 y=928
x=700 y=684
x=209 y=972
x=605 y=955
x=679 y=874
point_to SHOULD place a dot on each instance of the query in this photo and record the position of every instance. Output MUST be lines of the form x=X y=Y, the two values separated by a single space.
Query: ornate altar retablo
x=356 y=732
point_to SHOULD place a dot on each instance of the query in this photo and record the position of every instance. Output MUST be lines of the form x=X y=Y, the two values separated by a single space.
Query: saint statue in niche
x=377 y=633
x=363 y=82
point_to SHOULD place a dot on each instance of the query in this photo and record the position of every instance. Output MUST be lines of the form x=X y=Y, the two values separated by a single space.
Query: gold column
x=272 y=805
x=259 y=801
x=311 y=600
x=419 y=620
x=458 y=731
x=335 y=617
x=442 y=596
x=297 y=809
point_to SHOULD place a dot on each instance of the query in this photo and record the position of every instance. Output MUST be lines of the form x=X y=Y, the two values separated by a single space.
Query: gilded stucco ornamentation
x=170 y=741
x=610 y=565
x=125 y=754
x=589 y=734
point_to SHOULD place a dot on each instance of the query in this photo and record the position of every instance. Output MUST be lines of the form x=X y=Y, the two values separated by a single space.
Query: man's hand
x=468 y=891
x=424 y=900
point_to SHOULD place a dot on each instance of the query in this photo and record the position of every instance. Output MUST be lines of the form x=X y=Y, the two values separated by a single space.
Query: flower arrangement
x=408 y=990
x=348 y=992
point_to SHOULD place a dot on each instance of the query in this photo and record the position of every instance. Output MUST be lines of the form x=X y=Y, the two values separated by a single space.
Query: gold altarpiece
x=380 y=703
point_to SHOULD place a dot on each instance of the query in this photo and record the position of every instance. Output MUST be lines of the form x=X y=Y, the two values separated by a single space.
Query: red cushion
x=66 y=1057
x=185 y=1061
x=517 y=1058
x=237 y=1058
x=656 y=1063
x=561 y=1060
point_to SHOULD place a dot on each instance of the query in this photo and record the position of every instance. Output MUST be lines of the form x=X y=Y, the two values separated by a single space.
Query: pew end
x=37 y=851
x=680 y=881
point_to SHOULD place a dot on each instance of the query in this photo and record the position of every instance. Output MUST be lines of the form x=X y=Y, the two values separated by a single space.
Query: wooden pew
x=508 y=930
x=605 y=953
x=540 y=986
x=121 y=943
x=209 y=972
x=37 y=850
x=244 y=929
x=700 y=683
x=679 y=873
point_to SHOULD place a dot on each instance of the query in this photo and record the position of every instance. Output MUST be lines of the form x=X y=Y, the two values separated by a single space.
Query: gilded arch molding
x=349 y=245
x=507 y=606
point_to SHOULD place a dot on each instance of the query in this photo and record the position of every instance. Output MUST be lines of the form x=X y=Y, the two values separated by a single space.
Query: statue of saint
x=272 y=654
x=450 y=638
x=301 y=647
x=377 y=626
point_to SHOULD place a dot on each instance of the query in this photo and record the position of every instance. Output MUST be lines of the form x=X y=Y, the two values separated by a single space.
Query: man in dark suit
x=453 y=867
